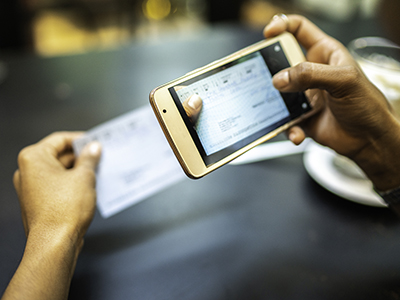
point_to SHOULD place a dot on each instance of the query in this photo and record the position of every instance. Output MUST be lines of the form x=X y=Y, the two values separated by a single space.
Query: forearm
x=57 y=195
x=46 y=268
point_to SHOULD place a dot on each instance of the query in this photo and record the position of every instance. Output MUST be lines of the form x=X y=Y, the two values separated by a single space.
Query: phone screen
x=240 y=104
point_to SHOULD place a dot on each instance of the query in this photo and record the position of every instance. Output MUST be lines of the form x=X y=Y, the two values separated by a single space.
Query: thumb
x=192 y=107
x=90 y=156
x=337 y=80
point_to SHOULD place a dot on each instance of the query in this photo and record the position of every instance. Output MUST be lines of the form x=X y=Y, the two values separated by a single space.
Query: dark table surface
x=259 y=231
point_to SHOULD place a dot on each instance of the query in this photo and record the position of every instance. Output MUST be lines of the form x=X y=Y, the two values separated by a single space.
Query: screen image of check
x=237 y=102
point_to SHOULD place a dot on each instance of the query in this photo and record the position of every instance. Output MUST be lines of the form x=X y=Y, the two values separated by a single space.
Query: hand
x=56 y=190
x=355 y=119
x=351 y=105
x=57 y=196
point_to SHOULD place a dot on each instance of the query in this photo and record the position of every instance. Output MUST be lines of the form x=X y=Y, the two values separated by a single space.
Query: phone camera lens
x=164 y=111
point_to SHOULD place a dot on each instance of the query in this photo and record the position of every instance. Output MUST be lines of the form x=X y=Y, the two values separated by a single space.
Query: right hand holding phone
x=355 y=118
x=351 y=104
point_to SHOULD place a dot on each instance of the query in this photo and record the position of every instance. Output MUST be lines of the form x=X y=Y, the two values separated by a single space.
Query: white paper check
x=136 y=160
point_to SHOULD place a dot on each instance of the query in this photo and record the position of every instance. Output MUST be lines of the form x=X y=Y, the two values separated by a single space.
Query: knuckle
x=349 y=78
x=304 y=74
x=351 y=73
x=56 y=134
x=25 y=155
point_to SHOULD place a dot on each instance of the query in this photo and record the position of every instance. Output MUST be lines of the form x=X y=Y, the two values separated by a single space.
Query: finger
x=192 y=107
x=336 y=80
x=304 y=30
x=296 y=134
x=320 y=46
x=277 y=25
x=59 y=142
x=67 y=159
x=89 y=157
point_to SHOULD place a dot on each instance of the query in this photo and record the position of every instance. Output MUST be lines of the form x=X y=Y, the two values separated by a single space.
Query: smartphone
x=241 y=108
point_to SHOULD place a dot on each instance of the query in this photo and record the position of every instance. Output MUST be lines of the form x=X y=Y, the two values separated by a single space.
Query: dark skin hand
x=355 y=119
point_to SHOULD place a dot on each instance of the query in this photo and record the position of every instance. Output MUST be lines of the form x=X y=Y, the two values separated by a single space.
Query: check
x=136 y=160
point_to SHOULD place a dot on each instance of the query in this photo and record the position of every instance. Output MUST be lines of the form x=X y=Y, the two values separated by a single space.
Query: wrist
x=379 y=160
x=61 y=240
x=51 y=256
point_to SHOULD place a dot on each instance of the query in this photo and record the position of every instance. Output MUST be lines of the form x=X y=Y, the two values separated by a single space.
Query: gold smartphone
x=241 y=108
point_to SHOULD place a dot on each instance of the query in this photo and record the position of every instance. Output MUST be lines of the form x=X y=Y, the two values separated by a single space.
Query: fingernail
x=273 y=20
x=281 y=79
x=94 y=148
x=195 y=102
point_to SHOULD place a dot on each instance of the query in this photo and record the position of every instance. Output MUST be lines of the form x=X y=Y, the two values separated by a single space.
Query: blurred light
x=56 y=33
x=156 y=9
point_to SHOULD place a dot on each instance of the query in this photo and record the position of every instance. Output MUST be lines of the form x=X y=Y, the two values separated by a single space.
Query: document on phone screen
x=237 y=102
x=136 y=160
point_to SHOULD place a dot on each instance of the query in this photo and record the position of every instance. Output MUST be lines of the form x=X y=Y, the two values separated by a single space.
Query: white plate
x=318 y=161
x=270 y=150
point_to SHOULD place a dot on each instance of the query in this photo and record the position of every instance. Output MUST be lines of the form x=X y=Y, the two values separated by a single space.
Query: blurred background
x=64 y=27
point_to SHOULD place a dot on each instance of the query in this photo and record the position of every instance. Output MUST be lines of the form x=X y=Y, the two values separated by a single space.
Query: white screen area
x=237 y=102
